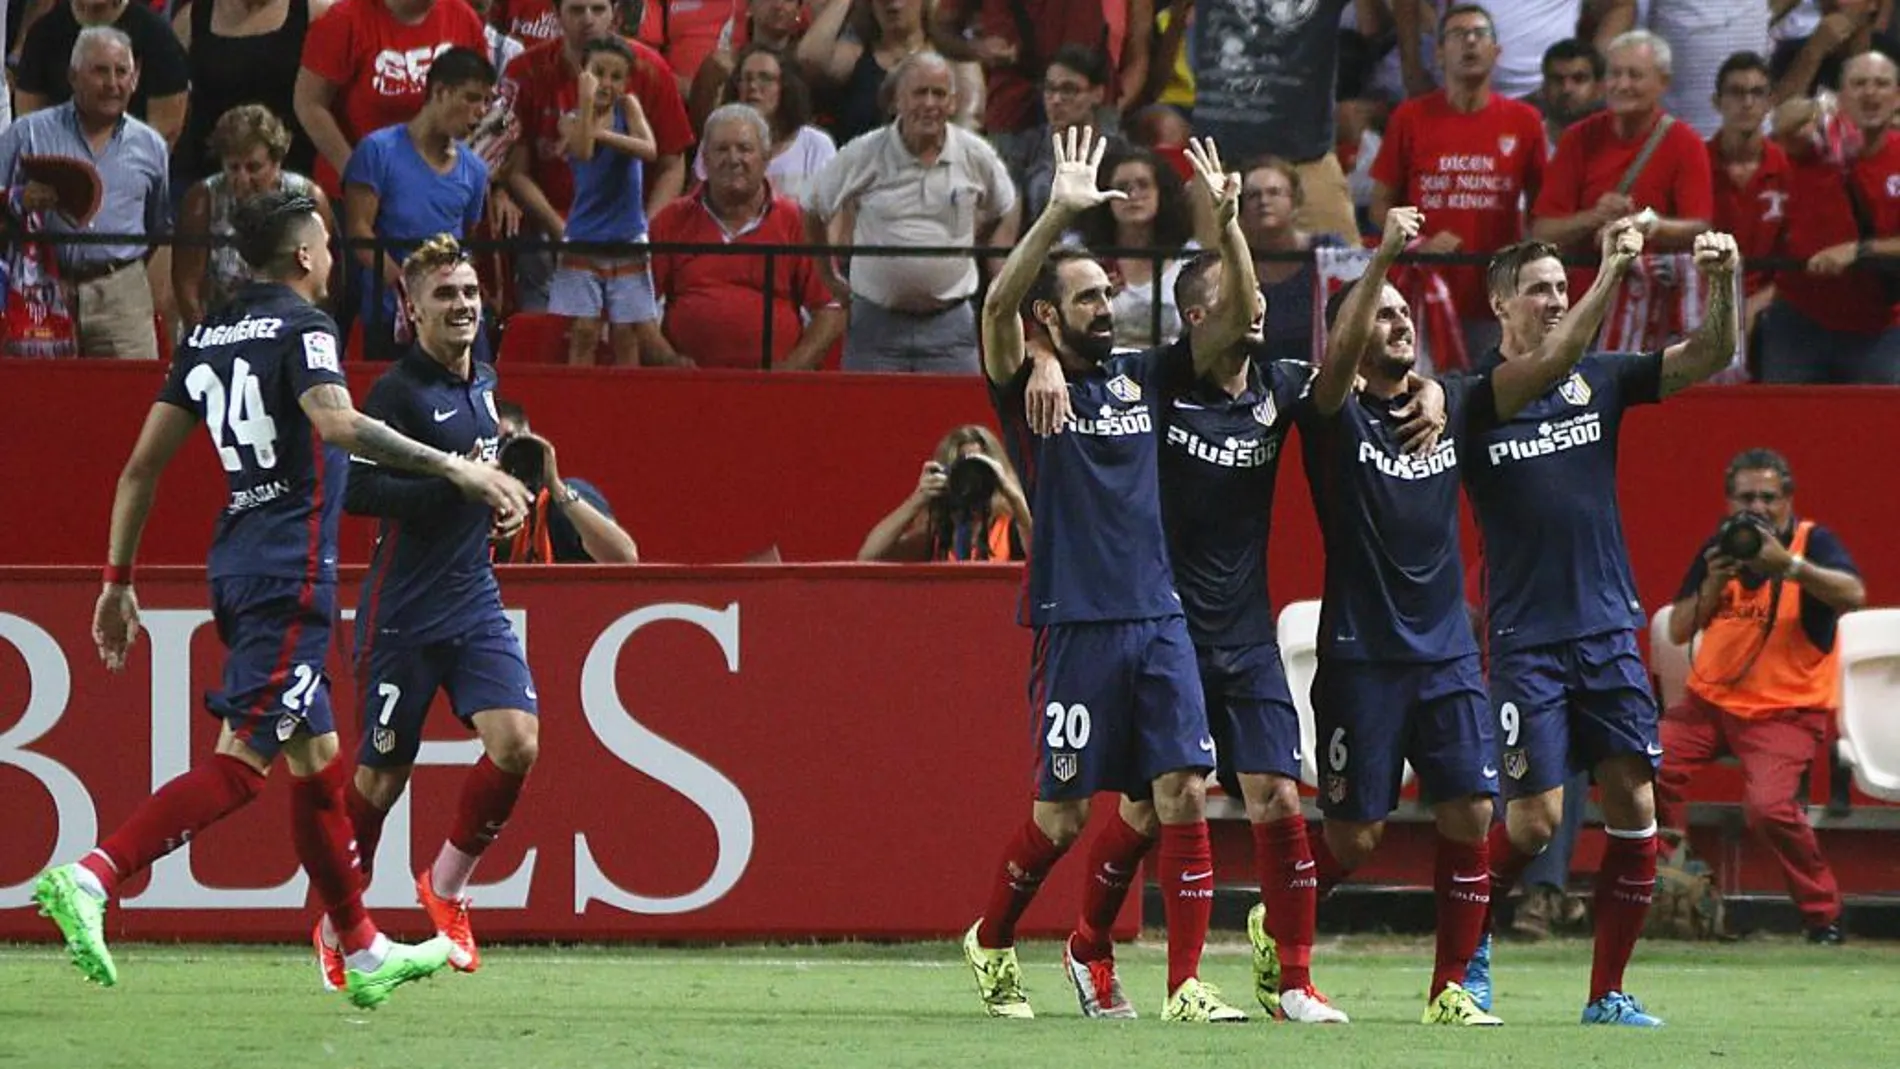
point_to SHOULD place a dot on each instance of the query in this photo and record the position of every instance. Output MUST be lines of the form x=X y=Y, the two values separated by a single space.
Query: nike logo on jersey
x=440 y=415
x=1302 y=866
x=1479 y=878
x=1190 y=877
x=1552 y=437
x=1298 y=756
x=1653 y=750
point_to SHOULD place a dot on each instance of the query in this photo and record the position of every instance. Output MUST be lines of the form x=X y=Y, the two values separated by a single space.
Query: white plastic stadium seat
x=1669 y=661
x=1870 y=697
x=1299 y=653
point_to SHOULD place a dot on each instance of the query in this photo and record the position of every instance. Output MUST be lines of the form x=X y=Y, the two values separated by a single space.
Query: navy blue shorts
x=1371 y=717
x=481 y=670
x=1116 y=705
x=1565 y=707
x=1250 y=711
x=277 y=636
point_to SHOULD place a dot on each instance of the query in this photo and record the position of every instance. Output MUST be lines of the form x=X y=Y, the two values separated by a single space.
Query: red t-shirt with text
x=1756 y=213
x=381 y=66
x=547 y=89
x=528 y=21
x=1470 y=173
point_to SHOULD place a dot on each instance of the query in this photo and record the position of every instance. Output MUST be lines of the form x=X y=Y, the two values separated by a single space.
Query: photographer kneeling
x=968 y=506
x=570 y=522
x=1766 y=595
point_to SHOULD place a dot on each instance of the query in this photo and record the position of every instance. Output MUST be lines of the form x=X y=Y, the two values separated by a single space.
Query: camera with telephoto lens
x=1742 y=535
x=969 y=486
x=524 y=458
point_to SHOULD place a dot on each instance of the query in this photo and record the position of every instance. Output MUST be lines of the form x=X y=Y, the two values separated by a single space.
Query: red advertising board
x=744 y=752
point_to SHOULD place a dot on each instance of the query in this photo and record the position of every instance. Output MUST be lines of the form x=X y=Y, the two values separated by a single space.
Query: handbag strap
x=1643 y=157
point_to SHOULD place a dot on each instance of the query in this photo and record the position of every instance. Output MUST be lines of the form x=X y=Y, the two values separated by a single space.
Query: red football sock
x=367 y=820
x=168 y=819
x=1026 y=861
x=1187 y=890
x=1326 y=867
x=1288 y=886
x=1114 y=859
x=1463 y=883
x=320 y=826
x=1507 y=863
x=1625 y=883
x=488 y=797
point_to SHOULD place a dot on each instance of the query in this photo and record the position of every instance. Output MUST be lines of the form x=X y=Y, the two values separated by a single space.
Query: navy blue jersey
x=242 y=371
x=1543 y=486
x=1098 y=551
x=431 y=576
x=1394 y=574
x=1219 y=457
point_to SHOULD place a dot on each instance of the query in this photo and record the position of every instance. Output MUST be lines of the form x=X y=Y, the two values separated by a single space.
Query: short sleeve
x=1009 y=398
x=1698 y=571
x=1562 y=191
x=173 y=392
x=1388 y=168
x=825 y=193
x=385 y=401
x=1637 y=376
x=1825 y=550
x=1470 y=403
x=316 y=359
x=998 y=188
x=328 y=46
x=1290 y=381
x=477 y=192
x=366 y=164
x=164 y=70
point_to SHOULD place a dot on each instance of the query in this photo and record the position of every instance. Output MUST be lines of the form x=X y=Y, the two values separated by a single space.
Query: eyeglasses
x=1754 y=497
x=1064 y=90
x=1469 y=33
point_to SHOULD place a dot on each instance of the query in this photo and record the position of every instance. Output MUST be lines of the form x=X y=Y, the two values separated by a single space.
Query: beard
x=1087 y=344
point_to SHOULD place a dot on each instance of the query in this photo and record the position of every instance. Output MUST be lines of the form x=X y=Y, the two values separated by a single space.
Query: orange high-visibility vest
x=1788 y=673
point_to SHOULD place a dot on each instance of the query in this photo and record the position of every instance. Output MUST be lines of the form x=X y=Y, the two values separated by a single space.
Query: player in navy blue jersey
x=1113 y=687
x=1569 y=689
x=1399 y=677
x=430 y=618
x=262 y=374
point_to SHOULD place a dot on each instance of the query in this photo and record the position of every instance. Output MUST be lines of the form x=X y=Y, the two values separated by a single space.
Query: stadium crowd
x=925 y=125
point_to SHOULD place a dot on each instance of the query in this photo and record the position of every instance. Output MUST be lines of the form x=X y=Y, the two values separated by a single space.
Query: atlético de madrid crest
x=1575 y=390
x=1125 y=389
x=1266 y=412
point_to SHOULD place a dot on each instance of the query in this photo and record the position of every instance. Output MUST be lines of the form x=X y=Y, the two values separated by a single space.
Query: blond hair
x=432 y=255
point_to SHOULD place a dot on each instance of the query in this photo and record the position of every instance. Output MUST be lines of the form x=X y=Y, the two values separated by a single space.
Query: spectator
x=1764 y=679
x=503 y=48
x=1847 y=28
x=251 y=144
x=716 y=306
x=241 y=52
x=537 y=172
x=114 y=297
x=769 y=24
x=854 y=46
x=529 y=21
x=1704 y=34
x=977 y=514
x=1572 y=89
x=1155 y=215
x=1604 y=168
x=1270 y=197
x=1750 y=175
x=161 y=76
x=409 y=182
x=1830 y=324
x=1263 y=86
x=1072 y=92
x=1525 y=30
x=366 y=66
x=777 y=91
x=571 y=522
x=1017 y=40
x=919 y=181
x=606 y=137
x=1168 y=73
x=1468 y=158
x=685 y=32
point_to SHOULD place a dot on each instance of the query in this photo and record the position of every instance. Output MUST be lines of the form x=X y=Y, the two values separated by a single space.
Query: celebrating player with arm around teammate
x=263 y=375
x=431 y=616
x=1399 y=677
x=1113 y=683
x=1569 y=688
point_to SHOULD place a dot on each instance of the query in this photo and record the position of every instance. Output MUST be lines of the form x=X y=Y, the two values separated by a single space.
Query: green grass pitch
x=1760 y=1003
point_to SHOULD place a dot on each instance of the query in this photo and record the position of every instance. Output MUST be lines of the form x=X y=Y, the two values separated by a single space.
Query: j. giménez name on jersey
x=1230 y=453
x=1553 y=436
x=247 y=329
x=1442 y=458
x=1114 y=424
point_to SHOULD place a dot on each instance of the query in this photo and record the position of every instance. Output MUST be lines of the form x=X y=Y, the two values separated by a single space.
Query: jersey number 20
x=239 y=409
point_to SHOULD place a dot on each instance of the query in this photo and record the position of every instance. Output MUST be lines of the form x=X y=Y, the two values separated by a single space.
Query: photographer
x=1765 y=595
x=968 y=506
x=570 y=522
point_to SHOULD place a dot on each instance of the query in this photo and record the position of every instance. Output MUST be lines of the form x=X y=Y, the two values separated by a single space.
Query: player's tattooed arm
x=339 y=423
x=1712 y=347
x=1517 y=383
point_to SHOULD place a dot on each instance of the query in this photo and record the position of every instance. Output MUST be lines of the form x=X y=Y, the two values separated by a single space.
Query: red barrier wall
x=746 y=752
x=715 y=466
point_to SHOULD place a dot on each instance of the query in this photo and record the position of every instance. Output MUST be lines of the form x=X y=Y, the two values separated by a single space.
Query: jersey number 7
x=240 y=409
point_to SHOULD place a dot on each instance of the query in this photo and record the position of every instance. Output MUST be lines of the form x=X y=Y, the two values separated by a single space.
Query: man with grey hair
x=164 y=80
x=733 y=310
x=918 y=181
x=1632 y=158
x=114 y=298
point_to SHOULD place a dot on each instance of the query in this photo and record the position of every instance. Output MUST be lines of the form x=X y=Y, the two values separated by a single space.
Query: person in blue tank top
x=608 y=141
x=1113 y=687
x=1399 y=678
x=1568 y=687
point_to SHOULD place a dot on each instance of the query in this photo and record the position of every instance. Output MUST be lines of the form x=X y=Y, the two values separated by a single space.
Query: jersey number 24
x=239 y=410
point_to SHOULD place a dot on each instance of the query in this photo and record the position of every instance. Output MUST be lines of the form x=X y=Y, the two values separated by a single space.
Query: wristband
x=1796 y=565
x=118 y=574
